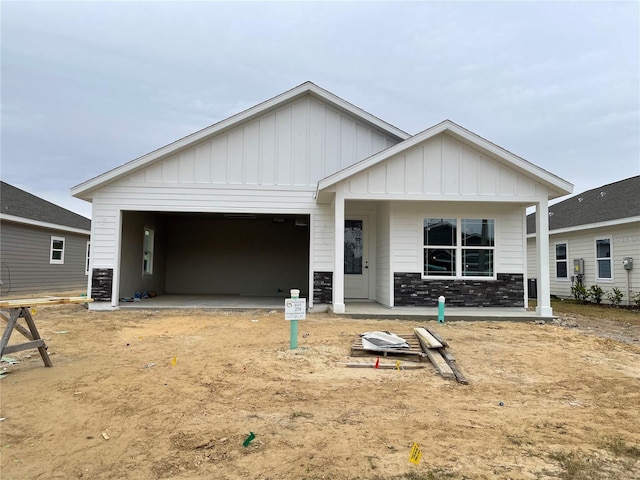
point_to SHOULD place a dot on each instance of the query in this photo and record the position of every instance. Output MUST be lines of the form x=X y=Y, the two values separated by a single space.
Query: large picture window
x=562 y=259
x=455 y=247
x=603 y=259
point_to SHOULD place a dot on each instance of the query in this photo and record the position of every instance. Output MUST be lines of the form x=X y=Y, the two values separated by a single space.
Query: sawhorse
x=31 y=334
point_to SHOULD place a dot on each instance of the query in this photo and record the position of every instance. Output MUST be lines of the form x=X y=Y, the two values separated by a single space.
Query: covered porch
x=354 y=309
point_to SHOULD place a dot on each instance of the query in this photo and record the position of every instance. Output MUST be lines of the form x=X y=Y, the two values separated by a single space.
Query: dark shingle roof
x=609 y=202
x=19 y=203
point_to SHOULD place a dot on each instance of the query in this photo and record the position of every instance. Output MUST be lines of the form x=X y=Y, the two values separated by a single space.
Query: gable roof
x=18 y=205
x=553 y=182
x=614 y=201
x=307 y=88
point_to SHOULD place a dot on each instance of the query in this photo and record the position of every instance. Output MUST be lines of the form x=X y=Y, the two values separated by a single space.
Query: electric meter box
x=578 y=266
x=627 y=263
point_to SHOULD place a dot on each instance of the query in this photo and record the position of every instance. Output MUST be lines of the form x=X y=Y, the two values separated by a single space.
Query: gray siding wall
x=24 y=261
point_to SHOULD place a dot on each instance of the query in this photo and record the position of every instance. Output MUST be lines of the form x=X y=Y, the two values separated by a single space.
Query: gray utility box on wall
x=578 y=266
x=627 y=263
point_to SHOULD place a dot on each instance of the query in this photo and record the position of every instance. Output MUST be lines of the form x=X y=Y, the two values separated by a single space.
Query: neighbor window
x=56 y=254
x=147 y=251
x=86 y=264
x=562 y=269
x=455 y=247
x=603 y=259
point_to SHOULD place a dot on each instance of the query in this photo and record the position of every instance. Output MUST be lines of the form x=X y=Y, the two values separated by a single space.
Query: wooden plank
x=386 y=366
x=426 y=338
x=437 y=336
x=456 y=371
x=17 y=326
x=8 y=330
x=447 y=356
x=451 y=361
x=26 y=313
x=38 y=302
x=441 y=365
x=23 y=346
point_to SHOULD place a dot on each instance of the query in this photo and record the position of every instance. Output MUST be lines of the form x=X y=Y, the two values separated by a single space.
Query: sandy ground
x=115 y=406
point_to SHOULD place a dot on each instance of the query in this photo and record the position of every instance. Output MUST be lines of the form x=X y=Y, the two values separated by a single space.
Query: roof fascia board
x=37 y=223
x=590 y=226
x=560 y=186
x=307 y=87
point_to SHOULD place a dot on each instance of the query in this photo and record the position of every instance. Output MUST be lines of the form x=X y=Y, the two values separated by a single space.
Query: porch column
x=338 y=254
x=543 y=307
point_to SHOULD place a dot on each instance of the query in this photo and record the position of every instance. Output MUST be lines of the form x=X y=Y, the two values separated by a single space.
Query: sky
x=88 y=86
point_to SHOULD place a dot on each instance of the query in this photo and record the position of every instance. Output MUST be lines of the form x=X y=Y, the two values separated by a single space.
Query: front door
x=356 y=258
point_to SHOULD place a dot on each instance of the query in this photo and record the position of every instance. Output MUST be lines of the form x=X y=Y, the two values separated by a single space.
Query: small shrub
x=615 y=296
x=580 y=293
x=595 y=293
x=635 y=298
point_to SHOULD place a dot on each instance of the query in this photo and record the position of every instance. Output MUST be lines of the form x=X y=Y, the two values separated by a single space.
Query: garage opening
x=214 y=254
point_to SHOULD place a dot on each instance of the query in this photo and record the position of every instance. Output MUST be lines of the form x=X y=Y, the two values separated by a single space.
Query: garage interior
x=223 y=255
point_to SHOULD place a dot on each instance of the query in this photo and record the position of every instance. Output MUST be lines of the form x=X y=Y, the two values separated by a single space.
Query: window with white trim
x=458 y=247
x=88 y=256
x=147 y=251
x=604 y=267
x=562 y=261
x=56 y=253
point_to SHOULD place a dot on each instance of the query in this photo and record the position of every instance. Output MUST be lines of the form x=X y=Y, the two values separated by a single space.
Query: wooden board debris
x=414 y=352
x=38 y=302
x=441 y=365
x=426 y=339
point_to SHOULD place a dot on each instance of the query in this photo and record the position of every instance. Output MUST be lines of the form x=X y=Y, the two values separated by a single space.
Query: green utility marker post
x=295 y=308
x=441 y=309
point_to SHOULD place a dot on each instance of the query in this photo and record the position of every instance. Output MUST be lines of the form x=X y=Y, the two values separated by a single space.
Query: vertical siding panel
x=331 y=142
x=219 y=161
x=251 y=156
x=187 y=167
x=487 y=177
x=171 y=169
x=378 y=142
x=283 y=146
x=268 y=150
x=414 y=174
x=347 y=141
x=316 y=142
x=432 y=153
x=235 y=156
x=202 y=169
x=300 y=149
x=363 y=142
x=378 y=179
x=154 y=173
x=451 y=166
x=506 y=181
x=395 y=175
x=469 y=172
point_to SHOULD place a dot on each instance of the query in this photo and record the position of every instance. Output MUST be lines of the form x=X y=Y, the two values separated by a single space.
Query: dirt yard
x=173 y=394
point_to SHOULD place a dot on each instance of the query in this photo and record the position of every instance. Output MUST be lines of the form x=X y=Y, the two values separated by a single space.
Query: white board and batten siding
x=269 y=164
x=445 y=168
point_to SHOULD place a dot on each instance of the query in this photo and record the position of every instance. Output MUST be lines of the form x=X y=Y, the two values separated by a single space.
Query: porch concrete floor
x=354 y=309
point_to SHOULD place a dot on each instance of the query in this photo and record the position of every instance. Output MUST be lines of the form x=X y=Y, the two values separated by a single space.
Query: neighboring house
x=590 y=236
x=43 y=247
x=308 y=191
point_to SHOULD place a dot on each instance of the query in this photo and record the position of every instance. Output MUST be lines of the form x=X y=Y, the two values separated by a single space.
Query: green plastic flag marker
x=249 y=439
x=441 y=309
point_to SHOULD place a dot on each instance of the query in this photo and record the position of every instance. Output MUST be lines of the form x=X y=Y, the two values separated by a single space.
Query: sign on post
x=295 y=308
